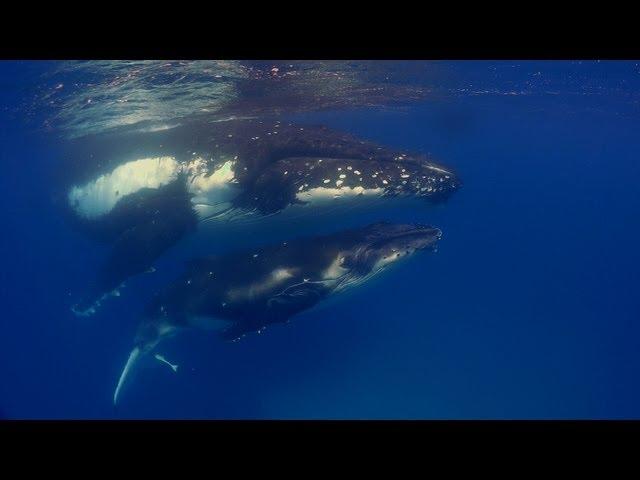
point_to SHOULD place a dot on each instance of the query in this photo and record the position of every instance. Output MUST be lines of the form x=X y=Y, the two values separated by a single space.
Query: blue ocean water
x=528 y=310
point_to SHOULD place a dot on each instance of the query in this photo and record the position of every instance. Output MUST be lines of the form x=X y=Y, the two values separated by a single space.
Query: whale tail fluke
x=133 y=357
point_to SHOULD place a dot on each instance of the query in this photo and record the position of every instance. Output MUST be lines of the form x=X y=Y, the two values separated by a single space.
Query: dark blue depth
x=528 y=310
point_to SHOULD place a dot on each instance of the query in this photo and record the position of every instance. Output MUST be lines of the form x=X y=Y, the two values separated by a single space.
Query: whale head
x=380 y=245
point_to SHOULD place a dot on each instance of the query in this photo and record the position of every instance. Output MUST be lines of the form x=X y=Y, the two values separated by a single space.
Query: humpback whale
x=157 y=150
x=248 y=290
x=142 y=192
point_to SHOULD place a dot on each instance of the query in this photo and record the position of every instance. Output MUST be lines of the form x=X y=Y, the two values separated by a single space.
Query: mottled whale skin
x=143 y=192
x=248 y=290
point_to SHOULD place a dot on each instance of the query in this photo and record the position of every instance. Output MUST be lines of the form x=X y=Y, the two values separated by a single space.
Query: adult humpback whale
x=248 y=290
x=143 y=191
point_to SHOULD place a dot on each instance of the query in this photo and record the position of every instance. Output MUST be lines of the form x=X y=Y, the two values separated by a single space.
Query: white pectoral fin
x=133 y=357
x=160 y=358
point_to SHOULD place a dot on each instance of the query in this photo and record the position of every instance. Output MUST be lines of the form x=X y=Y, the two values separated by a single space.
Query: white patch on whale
x=335 y=270
x=212 y=194
x=98 y=197
x=256 y=289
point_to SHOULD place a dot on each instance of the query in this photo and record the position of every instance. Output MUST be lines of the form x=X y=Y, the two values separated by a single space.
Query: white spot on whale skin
x=322 y=194
x=98 y=197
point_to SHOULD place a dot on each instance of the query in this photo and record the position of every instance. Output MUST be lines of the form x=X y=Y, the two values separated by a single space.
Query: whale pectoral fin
x=133 y=253
x=280 y=308
x=133 y=357
x=291 y=304
x=139 y=247
x=242 y=327
x=161 y=359
x=294 y=300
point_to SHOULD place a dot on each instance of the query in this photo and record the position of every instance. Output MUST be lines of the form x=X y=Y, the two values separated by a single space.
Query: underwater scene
x=201 y=239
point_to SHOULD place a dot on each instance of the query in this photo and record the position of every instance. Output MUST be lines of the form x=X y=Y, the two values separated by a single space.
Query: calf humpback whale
x=142 y=192
x=248 y=290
